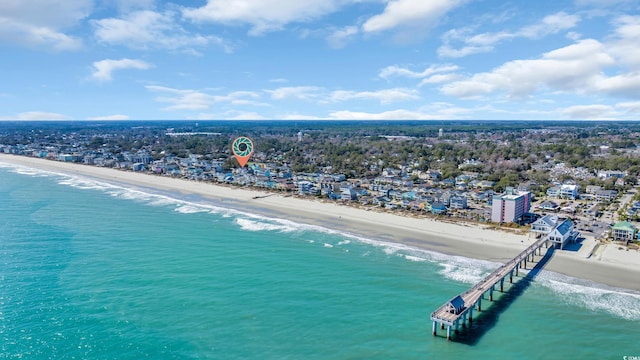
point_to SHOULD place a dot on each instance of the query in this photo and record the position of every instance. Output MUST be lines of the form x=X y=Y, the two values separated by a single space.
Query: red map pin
x=242 y=148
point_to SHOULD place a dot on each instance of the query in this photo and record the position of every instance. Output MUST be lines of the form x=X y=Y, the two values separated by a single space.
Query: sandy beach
x=608 y=265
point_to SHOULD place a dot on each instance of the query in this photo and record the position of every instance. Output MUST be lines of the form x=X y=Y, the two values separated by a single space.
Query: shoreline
x=608 y=265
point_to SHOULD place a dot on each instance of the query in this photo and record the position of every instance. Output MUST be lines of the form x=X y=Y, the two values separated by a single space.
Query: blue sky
x=319 y=59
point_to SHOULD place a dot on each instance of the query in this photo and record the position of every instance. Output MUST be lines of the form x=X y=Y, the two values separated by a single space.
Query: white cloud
x=322 y=96
x=631 y=107
x=198 y=100
x=339 y=37
x=149 y=29
x=383 y=96
x=36 y=115
x=576 y=68
x=625 y=45
x=603 y=3
x=53 y=14
x=109 y=117
x=241 y=98
x=397 y=71
x=296 y=92
x=243 y=115
x=400 y=114
x=582 y=68
x=231 y=115
x=262 y=15
x=182 y=99
x=590 y=112
x=434 y=111
x=129 y=5
x=409 y=13
x=296 y=116
x=485 y=42
x=103 y=69
x=35 y=36
x=438 y=79
x=551 y=24
x=40 y=23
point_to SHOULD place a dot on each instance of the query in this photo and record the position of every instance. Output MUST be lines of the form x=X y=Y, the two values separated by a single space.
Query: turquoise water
x=90 y=270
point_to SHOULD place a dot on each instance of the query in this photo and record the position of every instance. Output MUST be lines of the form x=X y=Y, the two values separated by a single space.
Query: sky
x=319 y=59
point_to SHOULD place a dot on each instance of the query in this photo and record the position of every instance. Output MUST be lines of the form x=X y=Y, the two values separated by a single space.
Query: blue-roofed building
x=544 y=225
x=563 y=233
x=409 y=195
x=458 y=202
x=569 y=191
x=553 y=192
x=438 y=208
x=456 y=305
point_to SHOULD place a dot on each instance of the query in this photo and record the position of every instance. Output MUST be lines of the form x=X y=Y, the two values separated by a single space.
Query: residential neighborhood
x=548 y=194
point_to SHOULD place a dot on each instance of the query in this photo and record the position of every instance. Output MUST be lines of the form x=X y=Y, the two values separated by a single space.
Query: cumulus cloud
x=150 y=29
x=34 y=36
x=383 y=96
x=110 y=117
x=438 y=79
x=485 y=42
x=188 y=99
x=36 y=115
x=340 y=37
x=323 y=96
x=41 y=23
x=399 y=114
x=590 y=112
x=409 y=13
x=576 y=67
x=48 y=13
x=231 y=115
x=103 y=69
x=398 y=71
x=435 y=111
x=261 y=15
x=624 y=46
x=630 y=107
x=587 y=66
x=296 y=92
x=129 y=5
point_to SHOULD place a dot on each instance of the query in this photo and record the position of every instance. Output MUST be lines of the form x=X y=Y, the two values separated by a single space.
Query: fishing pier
x=457 y=311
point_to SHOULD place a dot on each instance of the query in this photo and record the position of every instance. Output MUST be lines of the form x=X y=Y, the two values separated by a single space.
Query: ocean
x=91 y=270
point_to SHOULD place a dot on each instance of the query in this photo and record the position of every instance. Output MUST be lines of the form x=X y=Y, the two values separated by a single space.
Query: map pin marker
x=242 y=148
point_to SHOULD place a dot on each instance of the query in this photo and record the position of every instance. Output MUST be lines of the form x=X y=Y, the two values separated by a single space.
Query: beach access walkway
x=456 y=311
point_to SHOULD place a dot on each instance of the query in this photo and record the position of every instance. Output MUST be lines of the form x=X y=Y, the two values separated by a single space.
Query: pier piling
x=462 y=306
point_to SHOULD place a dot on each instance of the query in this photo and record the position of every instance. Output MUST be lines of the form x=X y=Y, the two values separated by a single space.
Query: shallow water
x=96 y=271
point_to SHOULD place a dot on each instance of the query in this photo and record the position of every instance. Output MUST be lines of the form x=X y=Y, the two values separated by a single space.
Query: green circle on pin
x=242 y=148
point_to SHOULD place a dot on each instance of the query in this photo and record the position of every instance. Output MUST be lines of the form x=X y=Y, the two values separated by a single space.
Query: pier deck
x=454 y=310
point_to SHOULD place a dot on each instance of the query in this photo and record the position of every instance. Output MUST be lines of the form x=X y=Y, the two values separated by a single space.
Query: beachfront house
x=592 y=189
x=544 y=225
x=438 y=208
x=568 y=191
x=623 y=231
x=549 y=205
x=562 y=234
x=606 y=195
x=458 y=202
x=553 y=192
